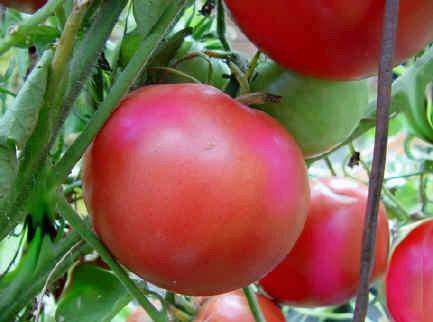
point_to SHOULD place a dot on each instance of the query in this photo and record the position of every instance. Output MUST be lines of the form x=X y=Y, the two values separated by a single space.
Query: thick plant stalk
x=389 y=36
x=254 y=304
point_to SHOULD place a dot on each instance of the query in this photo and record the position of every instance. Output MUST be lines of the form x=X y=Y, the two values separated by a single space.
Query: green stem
x=221 y=25
x=177 y=72
x=60 y=64
x=120 y=88
x=87 y=234
x=252 y=66
x=330 y=167
x=254 y=304
x=38 y=17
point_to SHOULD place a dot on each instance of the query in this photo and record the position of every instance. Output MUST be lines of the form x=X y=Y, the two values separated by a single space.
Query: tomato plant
x=195 y=175
x=409 y=277
x=331 y=110
x=323 y=267
x=346 y=33
x=233 y=307
x=208 y=144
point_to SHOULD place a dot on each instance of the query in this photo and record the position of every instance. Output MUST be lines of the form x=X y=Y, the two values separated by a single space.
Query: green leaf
x=147 y=13
x=26 y=36
x=20 y=119
x=94 y=295
x=162 y=56
x=8 y=166
x=42 y=260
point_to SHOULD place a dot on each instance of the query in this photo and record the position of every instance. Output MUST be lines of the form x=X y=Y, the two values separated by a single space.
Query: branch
x=379 y=159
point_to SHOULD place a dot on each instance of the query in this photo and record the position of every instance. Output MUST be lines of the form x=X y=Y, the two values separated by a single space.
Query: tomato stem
x=389 y=35
x=254 y=304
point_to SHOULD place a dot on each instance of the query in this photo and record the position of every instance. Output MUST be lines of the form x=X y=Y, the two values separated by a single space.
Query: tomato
x=198 y=67
x=409 y=280
x=194 y=191
x=24 y=5
x=233 y=307
x=319 y=114
x=336 y=39
x=323 y=267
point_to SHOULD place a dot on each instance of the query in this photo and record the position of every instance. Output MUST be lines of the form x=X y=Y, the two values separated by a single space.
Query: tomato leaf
x=19 y=121
x=147 y=13
x=94 y=295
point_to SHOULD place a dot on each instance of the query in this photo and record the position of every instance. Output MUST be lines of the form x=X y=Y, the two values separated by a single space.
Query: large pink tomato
x=409 y=281
x=233 y=307
x=323 y=267
x=194 y=191
x=337 y=39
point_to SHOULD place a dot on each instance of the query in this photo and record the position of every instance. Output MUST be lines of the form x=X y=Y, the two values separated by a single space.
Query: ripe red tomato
x=193 y=191
x=233 y=307
x=409 y=280
x=337 y=39
x=320 y=114
x=24 y=5
x=323 y=267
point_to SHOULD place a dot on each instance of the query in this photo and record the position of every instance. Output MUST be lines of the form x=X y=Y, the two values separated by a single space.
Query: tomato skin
x=24 y=5
x=333 y=39
x=193 y=191
x=323 y=267
x=233 y=307
x=319 y=114
x=409 y=280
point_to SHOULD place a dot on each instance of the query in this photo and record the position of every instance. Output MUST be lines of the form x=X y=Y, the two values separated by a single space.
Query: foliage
x=64 y=70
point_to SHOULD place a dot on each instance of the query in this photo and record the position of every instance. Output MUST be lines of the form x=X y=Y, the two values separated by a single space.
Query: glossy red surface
x=233 y=307
x=336 y=39
x=323 y=267
x=409 y=281
x=194 y=191
x=24 y=5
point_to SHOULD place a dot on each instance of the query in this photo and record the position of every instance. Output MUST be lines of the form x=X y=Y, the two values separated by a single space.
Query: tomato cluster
x=202 y=195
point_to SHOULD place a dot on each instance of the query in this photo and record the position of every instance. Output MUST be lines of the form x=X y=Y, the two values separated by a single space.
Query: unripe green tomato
x=319 y=114
x=24 y=5
x=198 y=67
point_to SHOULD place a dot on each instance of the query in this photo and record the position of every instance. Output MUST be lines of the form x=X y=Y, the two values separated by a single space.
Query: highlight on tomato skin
x=409 y=280
x=29 y=6
x=323 y=267
x=233 y=307
x=336 y=39
x=193 y=191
